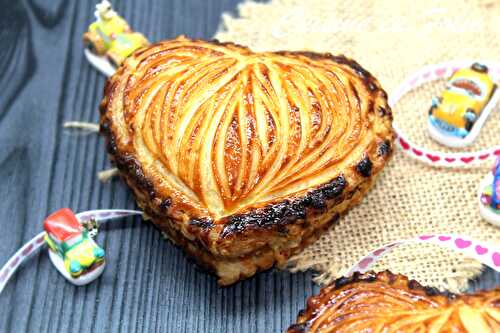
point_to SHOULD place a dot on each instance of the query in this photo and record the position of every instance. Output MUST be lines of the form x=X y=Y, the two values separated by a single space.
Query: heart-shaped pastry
x=385 y=302
x=242 y=157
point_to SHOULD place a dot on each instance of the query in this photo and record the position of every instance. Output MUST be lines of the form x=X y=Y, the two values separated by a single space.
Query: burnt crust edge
x=286 y=211
x=390 y=278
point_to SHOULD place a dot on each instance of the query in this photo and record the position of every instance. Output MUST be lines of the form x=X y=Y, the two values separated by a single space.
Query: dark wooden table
x=148 y=284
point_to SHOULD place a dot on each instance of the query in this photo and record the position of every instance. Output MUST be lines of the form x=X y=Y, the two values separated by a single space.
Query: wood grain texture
x=148 y=284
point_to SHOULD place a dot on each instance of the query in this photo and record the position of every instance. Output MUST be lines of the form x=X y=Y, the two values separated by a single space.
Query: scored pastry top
x=386 y=302
x=217 y=129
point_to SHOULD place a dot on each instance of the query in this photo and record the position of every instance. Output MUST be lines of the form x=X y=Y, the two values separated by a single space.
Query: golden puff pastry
x=390 y=303
x=243 y=158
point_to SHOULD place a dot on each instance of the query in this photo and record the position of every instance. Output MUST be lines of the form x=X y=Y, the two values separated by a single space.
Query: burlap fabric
x=392 y=39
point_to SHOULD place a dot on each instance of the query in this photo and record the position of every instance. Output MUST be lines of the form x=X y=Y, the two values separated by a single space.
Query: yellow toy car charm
x=110 y=40
x=456 y=117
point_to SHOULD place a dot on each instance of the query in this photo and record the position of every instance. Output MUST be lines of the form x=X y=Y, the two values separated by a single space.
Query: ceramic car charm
x=456 y=117
x=437 y=158
x=109 y=40
x=71 y=249
x=489 y=195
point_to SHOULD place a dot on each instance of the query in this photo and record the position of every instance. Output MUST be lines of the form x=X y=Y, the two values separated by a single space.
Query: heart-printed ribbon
x=485 y=253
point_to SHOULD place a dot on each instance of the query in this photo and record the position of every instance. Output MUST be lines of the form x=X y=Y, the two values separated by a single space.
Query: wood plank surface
x=148 y=285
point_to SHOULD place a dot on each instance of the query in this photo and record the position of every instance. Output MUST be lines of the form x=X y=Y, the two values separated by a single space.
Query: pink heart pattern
x=481 y=250
x=483 y=157
x=462 y=243
x=27 y=250
x=440 y=72
x=365 y=262
x=459 y=243
x=496 y=259
x=15 y=262
x=436 y=157
x=433 y=158
x=467 y=159
x=404 y=144
x=425 y=237
x=417 y=152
